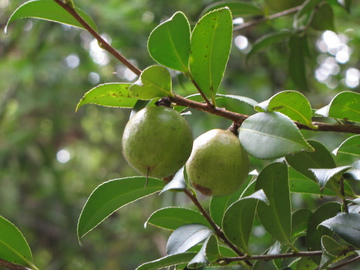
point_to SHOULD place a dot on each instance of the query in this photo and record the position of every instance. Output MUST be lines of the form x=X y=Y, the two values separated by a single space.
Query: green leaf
x=303 y=161
x=218 y=206
x=209 y=252
x=314 y=231
x=112 y=195
x=354 y=172
x=186 y=237
x=299 y=183
x=306 y=263
x=167 y=261
x=243 y=99
x=345 y=105
x=177 y=183
x=346 y=5
x=13 y=245
x=324 y=175
x=173 y=217
x=347 y=226
x=109 y=94
x=306 y=9
x=296 y=61
x=154 y=82
x=169 y=43
x=48 y=10
x=269 y=135
x=239 y=218
x=323 y=18
x=319 y=159
x=275 y=217
x=238 y=9
x=291 y=103
x=267 y=41
x=351 y=146
x=300 y=220
x=211 y=41
x=332 y=251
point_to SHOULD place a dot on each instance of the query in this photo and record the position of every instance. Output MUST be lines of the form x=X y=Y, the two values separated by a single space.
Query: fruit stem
x=217 y=229
x=234 y=128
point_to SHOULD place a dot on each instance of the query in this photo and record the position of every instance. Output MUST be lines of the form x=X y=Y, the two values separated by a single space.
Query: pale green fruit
x=157 y=141
x=218 y=165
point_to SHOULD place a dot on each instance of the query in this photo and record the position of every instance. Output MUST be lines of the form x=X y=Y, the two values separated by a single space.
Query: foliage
x=191 y=62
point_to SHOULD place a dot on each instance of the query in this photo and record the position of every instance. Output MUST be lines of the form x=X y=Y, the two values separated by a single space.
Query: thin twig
x=12 y=266
x=357 y=258
x=216 y=228
x=264 y=19
x=104 y=44
x=273 y=256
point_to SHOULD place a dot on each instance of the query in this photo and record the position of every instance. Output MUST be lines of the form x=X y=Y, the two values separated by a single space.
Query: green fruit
x=157 y=141
x=218 y=165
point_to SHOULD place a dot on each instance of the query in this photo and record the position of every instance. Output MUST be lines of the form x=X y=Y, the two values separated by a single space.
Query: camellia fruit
x=157 y=141
x=218 y=165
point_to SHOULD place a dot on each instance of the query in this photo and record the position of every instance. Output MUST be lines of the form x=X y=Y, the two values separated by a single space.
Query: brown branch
x=216 y=228
x=264 y=19
x=357 y=258
x=227 y=260
x=104 y=44
x=12 y=266
x=239 y=118
x=235 y=117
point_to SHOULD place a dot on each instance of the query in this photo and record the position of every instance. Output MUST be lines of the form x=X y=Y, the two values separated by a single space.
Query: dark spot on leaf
x=277 y=108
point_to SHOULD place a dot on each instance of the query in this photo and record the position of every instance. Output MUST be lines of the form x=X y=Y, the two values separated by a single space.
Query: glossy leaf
x=211 y=41
x=268 y=40
x=218 y=206
x=112 y=195
x=306 y=9
x=345 y=105
x=354 y=172
x=351 y=146
x=269 y=135
x=241 y=9
x=275 y=217
x=209 y=252
x=291 y=103
x=306 y=263
x=167 y=261
x=346 y=5
x=174 y=217
x=324 y=175
x=13 y=245
x=323 y=18
x=332 y=251
x=314 y=231
x=154 y=82
x=296 y=62
x=109 y=94
x=169 y=43
x=187 y=236
x=299 y=183
x=239 y=218
x=243 y=99
x=347 y=226
x=177 y=183
x=50 y=11
x=300 y=220
x=303 y=161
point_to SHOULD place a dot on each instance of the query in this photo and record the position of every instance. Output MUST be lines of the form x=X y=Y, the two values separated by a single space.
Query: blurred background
x=51 y=158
